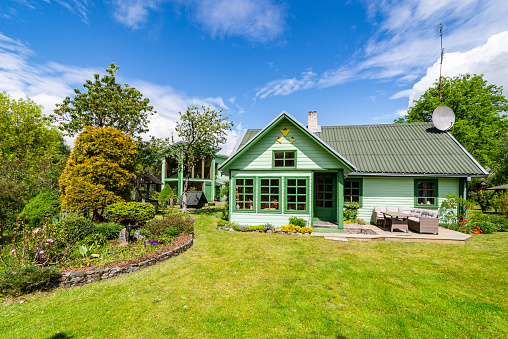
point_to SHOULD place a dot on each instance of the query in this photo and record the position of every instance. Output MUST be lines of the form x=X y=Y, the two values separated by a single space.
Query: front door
x=325 y=197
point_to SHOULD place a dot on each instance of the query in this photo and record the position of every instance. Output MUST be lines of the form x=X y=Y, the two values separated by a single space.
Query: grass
x=254 y=285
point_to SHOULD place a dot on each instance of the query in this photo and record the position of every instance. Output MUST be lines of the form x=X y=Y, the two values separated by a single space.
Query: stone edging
x=71 y=279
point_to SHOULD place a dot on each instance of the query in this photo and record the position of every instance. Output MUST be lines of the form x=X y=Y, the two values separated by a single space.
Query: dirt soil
x=176 y=243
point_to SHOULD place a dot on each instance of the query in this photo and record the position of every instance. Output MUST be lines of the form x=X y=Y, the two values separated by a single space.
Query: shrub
x=359 y=221
x=256 y=228
x=181 y=222
x=35 y=211
x=171 y=232
x=73 y=228
x=297 y=221
x=166 y=194
x=222 y=222
x=486 y=227
x=351 y=211
x=110 y=230
x=236 y=227
x=297 y=229
x=95 y=240
x=136 y=213
x=27 y=279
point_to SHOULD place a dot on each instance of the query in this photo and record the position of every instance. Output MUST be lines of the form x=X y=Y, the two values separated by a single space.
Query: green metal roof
x=411 y=148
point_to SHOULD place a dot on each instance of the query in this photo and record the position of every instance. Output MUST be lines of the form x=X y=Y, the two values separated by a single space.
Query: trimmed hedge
x=136 y=213
x=35 y=211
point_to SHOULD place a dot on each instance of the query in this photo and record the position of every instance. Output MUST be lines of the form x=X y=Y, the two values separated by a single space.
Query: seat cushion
x=392 y=209
x=380 y=209
x=414 y=219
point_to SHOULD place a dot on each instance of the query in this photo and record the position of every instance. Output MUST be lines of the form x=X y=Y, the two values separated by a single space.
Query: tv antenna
x=443 y=117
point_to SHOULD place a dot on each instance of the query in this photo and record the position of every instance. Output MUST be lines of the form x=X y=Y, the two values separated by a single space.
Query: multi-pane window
x=426 y=192
x=269 y=194
x=353 y=191
x=244 y=194
x=284 y=159
x=296 y=195
x=324 y=191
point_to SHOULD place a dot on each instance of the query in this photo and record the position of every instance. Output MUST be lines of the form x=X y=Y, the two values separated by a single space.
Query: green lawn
x=254 y=285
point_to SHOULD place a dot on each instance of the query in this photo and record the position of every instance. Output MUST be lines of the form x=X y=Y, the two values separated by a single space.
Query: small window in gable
x=284 y=159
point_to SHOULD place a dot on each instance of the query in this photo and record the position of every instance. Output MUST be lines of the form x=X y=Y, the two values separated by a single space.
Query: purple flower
x=35 y=231
x=49 y=241
x=13 y=252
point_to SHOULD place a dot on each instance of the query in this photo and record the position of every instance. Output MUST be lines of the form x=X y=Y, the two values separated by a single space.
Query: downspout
x=340 y=192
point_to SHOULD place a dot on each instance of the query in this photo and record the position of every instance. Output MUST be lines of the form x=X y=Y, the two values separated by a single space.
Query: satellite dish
x=443 y=118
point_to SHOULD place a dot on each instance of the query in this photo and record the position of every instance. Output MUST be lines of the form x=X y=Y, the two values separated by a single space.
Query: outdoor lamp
x=128 y=228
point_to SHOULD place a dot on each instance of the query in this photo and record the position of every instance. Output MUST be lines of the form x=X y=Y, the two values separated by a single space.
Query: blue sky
x=354 y=62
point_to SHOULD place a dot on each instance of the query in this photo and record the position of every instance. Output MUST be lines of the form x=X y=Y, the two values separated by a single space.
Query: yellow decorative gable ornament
x=279 y=140
x=291 y=140
x=285 y=131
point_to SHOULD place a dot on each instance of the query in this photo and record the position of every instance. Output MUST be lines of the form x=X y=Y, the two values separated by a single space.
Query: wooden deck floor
x=445 y=235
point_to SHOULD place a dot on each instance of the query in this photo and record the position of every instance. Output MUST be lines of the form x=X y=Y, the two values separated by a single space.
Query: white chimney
x=312 y=122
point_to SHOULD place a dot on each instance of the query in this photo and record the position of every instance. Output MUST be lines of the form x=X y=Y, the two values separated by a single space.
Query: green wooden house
x=205 y=176
x=288 y=169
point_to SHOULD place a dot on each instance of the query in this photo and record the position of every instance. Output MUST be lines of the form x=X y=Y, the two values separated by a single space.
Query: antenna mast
x=441 y=65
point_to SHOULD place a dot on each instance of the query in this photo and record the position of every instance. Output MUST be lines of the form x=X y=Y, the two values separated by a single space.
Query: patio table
x=399 y=220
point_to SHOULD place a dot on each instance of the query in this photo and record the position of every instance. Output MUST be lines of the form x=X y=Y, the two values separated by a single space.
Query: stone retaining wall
x=70 y=279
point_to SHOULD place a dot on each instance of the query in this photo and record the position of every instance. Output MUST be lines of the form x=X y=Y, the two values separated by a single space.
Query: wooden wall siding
x=310 y=155
x=396 y=191
x=276 y=219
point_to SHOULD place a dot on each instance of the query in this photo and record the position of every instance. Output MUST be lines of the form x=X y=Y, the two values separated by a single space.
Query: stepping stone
x=336 y=239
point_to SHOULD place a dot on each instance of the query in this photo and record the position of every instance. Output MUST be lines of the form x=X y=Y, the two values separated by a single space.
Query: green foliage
x=256 y=228
x=298 y=221
x=99 y=171
x=483 y=198
x=450 y=207
x=25 y=132
x=84 y=250
x=166 y=194
x=201 y=133
x=32 y=156
x=171 y=232
x=136 y=213
x=110 y=230
x=480 y=120
x=28 y=279
x=72 y=228
x=500 y=203
x=351 y=212
x=222 y=222
x=500 y=223
x=105 y=104
x=177 y=220
x=95 y=240
x=41 y=207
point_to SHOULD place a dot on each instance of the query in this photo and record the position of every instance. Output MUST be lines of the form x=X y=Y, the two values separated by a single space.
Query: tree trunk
x=185 y=188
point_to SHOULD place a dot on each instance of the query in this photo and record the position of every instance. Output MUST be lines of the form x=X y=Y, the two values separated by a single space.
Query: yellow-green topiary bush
x=99 y=172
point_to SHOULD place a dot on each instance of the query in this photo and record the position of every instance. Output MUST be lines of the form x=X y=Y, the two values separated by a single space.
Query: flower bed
x=86 y=275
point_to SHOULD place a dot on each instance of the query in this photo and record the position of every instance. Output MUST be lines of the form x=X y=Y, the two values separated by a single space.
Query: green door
x=208 y=191
x=325 y=197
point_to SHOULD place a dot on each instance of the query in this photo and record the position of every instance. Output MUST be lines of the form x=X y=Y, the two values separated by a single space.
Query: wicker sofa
x=420 y=220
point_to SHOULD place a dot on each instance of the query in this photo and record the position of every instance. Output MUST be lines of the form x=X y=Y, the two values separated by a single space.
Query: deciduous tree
x=480 y=112
x=105 y=103
x=201 y=133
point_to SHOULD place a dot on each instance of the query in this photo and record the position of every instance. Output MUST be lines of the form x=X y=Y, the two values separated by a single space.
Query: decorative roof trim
x=303 y=128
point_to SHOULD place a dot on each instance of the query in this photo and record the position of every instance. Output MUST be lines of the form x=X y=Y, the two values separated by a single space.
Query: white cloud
x=78 y=7
x=407 y=40
x=287 y=86
x=50 y=83
x=134 y=13
x=398 y=113
x=255 y=20
x=490 y=59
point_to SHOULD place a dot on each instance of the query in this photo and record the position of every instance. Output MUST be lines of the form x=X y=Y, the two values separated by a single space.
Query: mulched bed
x=176 y=243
